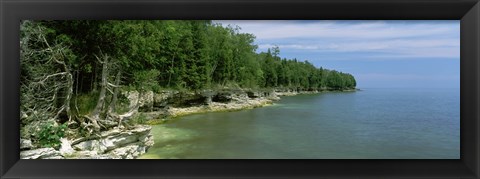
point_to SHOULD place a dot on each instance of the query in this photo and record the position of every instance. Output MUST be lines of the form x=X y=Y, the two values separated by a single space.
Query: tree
x=46 y=80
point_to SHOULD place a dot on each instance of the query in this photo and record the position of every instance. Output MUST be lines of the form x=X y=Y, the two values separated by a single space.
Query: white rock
x=116 y=144
x=66 y=147
x=41 y=153
x=25 y=144
x=84 y=155
x=124 y=152
x=147 y=99
x=54 y=157
x=120 y=140
x=133 y=97
x=92 y=145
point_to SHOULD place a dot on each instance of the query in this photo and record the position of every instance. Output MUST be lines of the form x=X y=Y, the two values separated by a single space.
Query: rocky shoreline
x=132 y=142
x=113 y=144
x=210 y=101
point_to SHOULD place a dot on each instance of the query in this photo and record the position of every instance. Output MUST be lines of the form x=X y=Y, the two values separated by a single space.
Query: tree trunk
x=115 y=92
x=171 y=67
x=103 y=85
x=171 y=70
x=130 y=113
x=101 y=98
x=94 y=78
x=69 y=92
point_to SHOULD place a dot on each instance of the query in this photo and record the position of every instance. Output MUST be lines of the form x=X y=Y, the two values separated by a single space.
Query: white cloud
x=395 y=39
x=447 y=48
x=265 y=30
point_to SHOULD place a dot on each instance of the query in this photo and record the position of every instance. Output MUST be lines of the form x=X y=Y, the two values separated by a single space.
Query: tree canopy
x=187 y=54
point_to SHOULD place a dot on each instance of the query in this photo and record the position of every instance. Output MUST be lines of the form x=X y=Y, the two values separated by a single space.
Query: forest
x=73 y=71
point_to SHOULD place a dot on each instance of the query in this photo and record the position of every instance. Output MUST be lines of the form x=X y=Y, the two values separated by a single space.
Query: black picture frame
x=468 y=11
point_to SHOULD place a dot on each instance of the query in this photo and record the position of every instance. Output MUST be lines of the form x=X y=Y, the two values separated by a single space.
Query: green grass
x=85 y=102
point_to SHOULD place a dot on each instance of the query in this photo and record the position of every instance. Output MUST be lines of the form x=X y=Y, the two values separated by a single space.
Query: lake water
x=367 y=124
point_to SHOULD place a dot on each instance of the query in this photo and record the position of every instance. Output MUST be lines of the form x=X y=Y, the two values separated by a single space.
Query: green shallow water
x=367 y=124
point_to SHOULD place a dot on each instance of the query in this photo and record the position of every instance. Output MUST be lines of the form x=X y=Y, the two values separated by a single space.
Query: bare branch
x=112 y=85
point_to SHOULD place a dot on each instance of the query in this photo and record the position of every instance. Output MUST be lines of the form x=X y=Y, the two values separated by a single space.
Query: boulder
x=25 y=144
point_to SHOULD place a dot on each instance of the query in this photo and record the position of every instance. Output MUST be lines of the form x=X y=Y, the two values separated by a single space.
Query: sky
x=380 y=54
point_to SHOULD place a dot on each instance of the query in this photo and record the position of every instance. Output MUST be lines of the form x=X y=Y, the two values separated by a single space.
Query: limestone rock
x=91 y=155
x=120 y=140
x=116 y=144
x=160 y=99
x=25 y=144
x=129 y=152
x=133 y=97
x=65 y=147
x=92 y=145
x=41 y=153
x=146 y=101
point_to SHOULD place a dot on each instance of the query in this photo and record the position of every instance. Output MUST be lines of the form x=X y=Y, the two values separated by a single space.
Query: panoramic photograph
x=239 y=89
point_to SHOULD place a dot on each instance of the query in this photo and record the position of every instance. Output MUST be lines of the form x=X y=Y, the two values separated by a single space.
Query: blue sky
x=396 y=54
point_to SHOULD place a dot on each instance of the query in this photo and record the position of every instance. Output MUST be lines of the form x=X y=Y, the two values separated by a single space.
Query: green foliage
x=50 y=134
x=146 y=80
x=183 y=54
x=122 y=105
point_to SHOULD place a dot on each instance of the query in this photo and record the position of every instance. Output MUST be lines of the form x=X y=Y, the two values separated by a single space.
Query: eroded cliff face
x=164 y=104
x=150 y=101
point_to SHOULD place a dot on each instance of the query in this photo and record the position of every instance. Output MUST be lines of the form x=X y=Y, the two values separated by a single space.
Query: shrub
x=50 y=134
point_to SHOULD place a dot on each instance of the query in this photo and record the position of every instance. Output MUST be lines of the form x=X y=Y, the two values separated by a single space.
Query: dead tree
x=46 y=80
x=116 y=86
x=104 y=115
